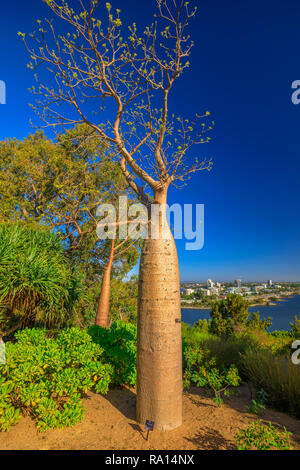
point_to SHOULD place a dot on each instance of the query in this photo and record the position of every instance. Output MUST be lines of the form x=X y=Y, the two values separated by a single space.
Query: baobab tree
x=98 y=66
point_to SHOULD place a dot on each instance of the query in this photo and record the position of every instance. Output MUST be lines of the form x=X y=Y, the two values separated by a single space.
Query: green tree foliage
x=256 y=323
x=37 y=280
x=295 y=328
x=46 y=378
x=229 y=314
x=123 y=302
x=61 y=184
x=202 y=325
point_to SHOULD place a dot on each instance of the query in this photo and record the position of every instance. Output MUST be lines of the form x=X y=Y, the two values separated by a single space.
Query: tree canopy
x=228 y=314
x=100 y=63
x=61 y=184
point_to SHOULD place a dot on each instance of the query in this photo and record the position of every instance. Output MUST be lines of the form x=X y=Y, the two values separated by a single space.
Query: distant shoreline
x=195 y=308
x=282 y=312
x=265 y=303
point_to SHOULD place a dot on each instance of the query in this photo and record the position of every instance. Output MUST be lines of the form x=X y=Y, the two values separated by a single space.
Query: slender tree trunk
x=103 y=306
x=159 y=357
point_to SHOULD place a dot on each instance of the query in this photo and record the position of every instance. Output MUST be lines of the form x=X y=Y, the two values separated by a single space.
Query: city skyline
x=245 y=281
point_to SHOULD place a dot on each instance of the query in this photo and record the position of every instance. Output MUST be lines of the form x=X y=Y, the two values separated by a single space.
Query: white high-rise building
x=270 y=283
x=187 y=291
x=210 y=283
x=238 y=283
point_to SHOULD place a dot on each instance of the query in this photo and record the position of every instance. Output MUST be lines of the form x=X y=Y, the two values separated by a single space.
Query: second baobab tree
x=98 y=67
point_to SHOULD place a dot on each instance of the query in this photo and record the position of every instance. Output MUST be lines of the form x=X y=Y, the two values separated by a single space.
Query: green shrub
x=46 y=378
x=202 y=371
x=9 y=415
x=280 y=342
x=258 y=436
x=228 y=314
x=195 y=334
x=255 y=407
x=277 y=376
x=295 y=328
x=280 y=334
x=202 y=325
x=259 y=403
x=256 y=323
x=119 y=344
x=261 y=340
x=227 y=351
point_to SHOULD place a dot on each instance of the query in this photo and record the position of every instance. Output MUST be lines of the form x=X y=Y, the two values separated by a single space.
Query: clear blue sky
x=245 y=59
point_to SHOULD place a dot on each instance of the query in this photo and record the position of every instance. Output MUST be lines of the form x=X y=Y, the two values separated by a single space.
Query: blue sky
x=245 y=59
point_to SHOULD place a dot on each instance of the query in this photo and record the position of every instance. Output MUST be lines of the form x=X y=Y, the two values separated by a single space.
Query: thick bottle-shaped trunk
x=159 y=357
x=103 y=306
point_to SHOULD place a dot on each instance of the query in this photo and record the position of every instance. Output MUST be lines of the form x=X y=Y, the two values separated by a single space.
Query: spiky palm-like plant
x=37 y=282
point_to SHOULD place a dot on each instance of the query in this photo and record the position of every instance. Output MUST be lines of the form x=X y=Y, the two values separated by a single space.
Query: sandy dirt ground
x=109 y=423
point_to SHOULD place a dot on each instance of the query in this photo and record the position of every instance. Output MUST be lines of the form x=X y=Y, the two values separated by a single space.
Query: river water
x=282 y=313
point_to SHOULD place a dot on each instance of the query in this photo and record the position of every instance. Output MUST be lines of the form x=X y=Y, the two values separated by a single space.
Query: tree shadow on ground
x=209 y=439
x=138 y=428
x=239 y=401
x=202 y=404
x=124 y=400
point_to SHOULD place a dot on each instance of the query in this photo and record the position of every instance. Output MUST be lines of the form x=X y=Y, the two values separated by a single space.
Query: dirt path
x=109 y=424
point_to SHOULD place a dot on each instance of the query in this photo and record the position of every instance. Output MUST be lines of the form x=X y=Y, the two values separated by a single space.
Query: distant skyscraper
x=270 y=283
x=238 y=283
x=210 y=283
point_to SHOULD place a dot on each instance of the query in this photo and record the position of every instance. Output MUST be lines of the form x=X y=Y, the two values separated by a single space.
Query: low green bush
x=255 y=407
x=261 y=340
x=295 y=328
x=280 y=334
x=202 y=325
x=119 y=344
x=277 y=376
x=259 y=436
x=202 y=371
x=46 y=378
x=258 y=403
x=194 y=335
x=226 y=351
